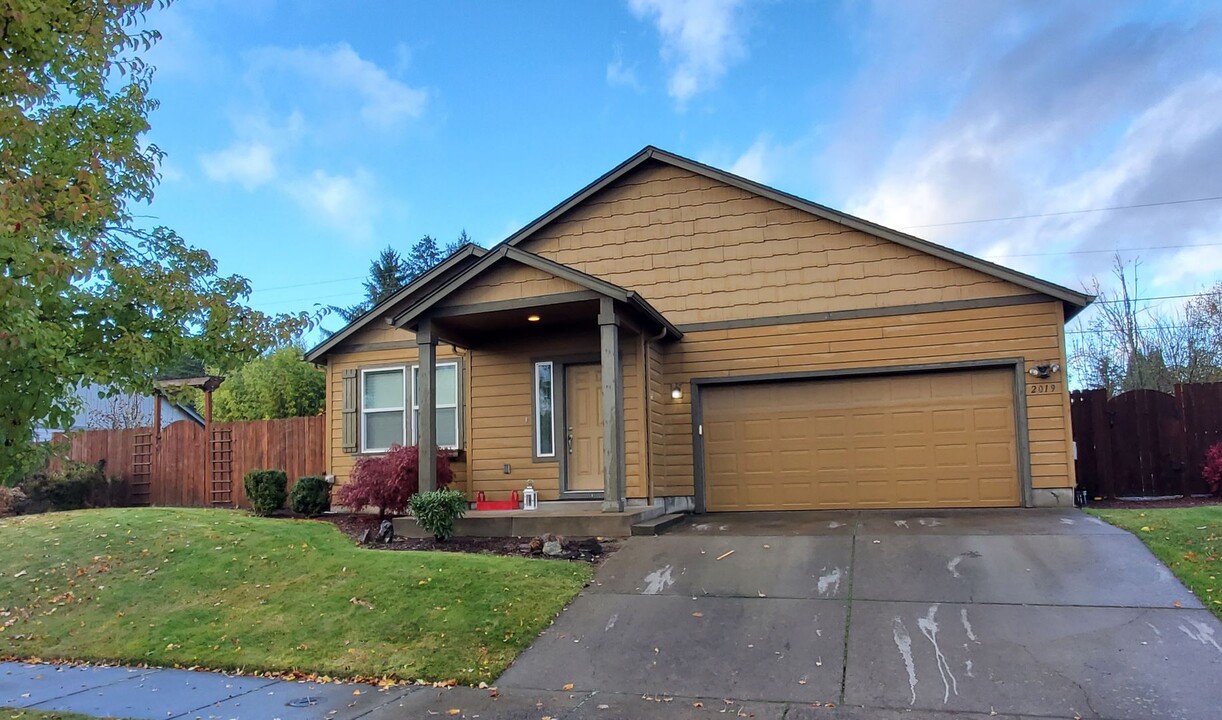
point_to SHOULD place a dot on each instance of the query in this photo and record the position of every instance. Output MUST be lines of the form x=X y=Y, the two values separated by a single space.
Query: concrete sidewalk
x=162 y=694
x=159 y=694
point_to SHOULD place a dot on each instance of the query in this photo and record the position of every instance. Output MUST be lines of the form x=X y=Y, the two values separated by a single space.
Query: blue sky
x=303 y=136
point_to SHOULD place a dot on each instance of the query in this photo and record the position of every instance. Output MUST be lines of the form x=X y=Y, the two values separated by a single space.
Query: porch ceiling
x=472 y=329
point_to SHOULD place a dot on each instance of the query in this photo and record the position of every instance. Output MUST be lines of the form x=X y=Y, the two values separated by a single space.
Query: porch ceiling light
x=533 y=318
x=676 y=392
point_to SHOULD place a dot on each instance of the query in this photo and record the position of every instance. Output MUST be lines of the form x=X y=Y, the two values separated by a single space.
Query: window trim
x=365 y=411
x=456 y=405
x=539 y=454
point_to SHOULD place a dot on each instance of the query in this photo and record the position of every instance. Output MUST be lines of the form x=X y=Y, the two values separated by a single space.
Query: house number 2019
x=1041 y=388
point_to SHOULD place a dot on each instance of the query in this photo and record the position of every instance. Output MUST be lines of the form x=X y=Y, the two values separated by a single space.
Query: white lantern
x=530 y=498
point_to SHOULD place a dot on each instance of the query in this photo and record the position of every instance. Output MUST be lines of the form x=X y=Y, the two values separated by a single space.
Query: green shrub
x=436 y=511
x=266 y=490
x=311 y=495
x=66 y=489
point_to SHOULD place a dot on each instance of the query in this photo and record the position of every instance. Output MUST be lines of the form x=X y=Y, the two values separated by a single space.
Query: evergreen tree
x=388 y=273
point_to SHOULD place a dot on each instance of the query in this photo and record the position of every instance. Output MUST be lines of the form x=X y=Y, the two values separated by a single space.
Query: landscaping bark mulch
x=585 y=549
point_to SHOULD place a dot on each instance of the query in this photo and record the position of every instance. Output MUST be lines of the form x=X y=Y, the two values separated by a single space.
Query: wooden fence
x=1145 y=443
x=192 y=466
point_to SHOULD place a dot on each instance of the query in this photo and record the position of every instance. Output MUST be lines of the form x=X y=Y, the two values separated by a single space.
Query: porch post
x=426 y=397
x=614 y=469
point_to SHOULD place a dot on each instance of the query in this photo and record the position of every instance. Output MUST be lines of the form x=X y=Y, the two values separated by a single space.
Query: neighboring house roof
x=1074 y=301
x=94 y=405
x=187 y=410
x=503 y=252
x=456 y=262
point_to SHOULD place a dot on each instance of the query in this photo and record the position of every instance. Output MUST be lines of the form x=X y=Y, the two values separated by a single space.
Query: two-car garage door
x=942 y=439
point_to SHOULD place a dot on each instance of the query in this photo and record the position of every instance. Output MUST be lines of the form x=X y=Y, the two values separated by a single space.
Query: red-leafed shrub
x=388 y=481
x=1213 y=468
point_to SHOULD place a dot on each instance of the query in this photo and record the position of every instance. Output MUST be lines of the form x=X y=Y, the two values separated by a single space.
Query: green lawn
x=1188 y=540
x=15 y=714
x=224 y=590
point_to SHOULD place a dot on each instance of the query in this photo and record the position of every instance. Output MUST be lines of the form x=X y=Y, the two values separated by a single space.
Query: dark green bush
x=66 y=489
x=436 y=511
x=266 y=490
x=311 y=495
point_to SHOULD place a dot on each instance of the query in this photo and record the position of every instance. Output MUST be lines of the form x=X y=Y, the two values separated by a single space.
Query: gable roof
x=1074 y=301
x=459 y=259
x=505 y=251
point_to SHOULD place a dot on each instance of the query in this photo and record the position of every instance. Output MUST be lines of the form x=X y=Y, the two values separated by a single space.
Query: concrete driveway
x=1040 y=613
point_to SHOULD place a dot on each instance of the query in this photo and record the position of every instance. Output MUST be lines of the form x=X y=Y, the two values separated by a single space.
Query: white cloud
x=619 y=74
x=756 y=163
x=1039 y=109
x=700 y=40
x=346 y=204
x=383 y=101
x=249 y=164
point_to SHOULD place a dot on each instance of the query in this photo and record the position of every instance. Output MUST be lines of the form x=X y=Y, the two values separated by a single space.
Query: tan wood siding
x=376 y=332
x=944 y=439
x=1033 y=332
x=703 y=251
x=341 y=463
x=656 y=394
x=511 y=281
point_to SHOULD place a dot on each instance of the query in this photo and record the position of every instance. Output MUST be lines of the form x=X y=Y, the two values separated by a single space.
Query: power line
x=332 y=281
x=1066 y=212
x=308 y=284
x=1176 y=326
x=1145 y=299
x=1110 y=250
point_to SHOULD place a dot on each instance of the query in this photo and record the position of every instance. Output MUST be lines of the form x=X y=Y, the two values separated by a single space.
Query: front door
x=584 y=436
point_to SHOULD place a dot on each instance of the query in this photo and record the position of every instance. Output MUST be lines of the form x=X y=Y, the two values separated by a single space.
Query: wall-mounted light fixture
x=676 y=392
x=1044 y=371
x=533 y=318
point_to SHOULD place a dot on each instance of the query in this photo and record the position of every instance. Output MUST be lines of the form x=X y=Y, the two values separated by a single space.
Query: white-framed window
x=545 y=415
x=383 y=409
x=446 y=391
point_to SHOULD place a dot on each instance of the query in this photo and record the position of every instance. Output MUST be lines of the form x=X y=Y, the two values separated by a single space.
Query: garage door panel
x=930 y=440
x=952 y=421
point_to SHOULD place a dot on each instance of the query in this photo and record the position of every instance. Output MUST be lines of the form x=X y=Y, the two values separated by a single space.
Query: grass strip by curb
x=1186 y=540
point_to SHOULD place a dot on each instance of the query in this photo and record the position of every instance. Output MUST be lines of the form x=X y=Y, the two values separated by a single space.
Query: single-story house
x=676 y=335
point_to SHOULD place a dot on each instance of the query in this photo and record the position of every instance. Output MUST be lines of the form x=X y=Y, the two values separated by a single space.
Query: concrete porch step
x=571 y=519
x=658 y=525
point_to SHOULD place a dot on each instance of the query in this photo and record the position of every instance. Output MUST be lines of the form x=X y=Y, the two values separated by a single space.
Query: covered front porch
x=559 y=392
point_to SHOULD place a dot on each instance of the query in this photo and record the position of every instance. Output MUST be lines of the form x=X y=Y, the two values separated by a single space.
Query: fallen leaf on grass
x=362 y=603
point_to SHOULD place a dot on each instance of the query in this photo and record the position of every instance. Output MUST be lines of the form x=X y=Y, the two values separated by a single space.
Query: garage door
x=898 y=441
